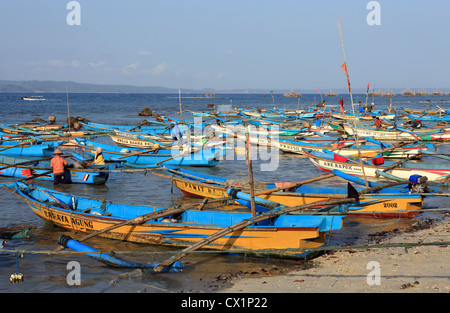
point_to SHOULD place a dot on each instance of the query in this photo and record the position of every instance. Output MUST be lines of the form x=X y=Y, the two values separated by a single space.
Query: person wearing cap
x=58 y=165
x=99 y=159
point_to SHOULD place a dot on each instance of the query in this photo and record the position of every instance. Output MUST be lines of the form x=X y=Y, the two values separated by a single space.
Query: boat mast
x=250 y=170
x=353 y=108
x=68 y=112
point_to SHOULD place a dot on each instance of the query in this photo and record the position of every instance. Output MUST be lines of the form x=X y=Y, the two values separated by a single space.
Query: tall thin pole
x=186 y=128
x=250 y=171
x=353 y=108
x=68 y=112
x=179 y=99
x=367 y=94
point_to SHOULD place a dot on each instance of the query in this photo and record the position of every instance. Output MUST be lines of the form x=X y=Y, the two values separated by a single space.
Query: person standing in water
x=58 y=164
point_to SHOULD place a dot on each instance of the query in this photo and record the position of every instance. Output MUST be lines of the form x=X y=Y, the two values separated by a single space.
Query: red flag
x=341 y=102
x=344 y=68
x=318 y=90
x=368 y=86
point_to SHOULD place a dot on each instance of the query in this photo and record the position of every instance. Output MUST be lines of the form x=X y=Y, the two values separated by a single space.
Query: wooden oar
x=186 y=174
x=368 y=190
x=343 y=147
x=401 y=144
x=269 y=191
x=137 y=153
x=132 y=129
x=394 y=165
x=176 y=156
x=260 y=193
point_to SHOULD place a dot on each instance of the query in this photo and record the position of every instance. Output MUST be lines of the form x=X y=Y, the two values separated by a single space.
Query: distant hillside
x=35 y=86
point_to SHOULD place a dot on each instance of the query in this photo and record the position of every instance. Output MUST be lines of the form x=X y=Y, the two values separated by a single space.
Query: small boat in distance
x=33 y=98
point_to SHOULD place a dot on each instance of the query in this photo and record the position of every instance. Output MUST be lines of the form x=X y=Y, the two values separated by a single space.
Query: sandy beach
x=419 y=269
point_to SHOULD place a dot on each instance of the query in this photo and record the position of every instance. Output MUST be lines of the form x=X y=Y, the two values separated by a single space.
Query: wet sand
x=418 y=269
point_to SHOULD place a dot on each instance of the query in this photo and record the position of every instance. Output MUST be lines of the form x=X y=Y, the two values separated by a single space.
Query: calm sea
x=202 y=271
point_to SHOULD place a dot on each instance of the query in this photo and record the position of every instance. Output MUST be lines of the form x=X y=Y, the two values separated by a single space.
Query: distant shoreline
x=39 y=87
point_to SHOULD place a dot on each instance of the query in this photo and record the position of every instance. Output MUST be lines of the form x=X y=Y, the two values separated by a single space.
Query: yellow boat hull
x=382 y=206
x=282 y=242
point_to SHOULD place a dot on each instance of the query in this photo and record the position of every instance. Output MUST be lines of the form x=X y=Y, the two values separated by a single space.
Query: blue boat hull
x=205 y=157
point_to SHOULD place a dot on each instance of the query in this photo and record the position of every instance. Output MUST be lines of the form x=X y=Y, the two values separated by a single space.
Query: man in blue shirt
x=361 y=109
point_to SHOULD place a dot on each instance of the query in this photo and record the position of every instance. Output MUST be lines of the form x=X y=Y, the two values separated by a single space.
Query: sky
x=197 y=44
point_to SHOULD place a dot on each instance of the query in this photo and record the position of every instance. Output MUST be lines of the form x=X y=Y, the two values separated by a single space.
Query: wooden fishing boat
x=424 y=112
x=145 y=158
x=350 y=117
x=255 y=131
x=280 y=236
x=6 y=129
x=33 y=98
x=38 y=137
x=40 y=169
x=351 y=149
x=136 y=140
x=258 y=113
x=389 y=202
x=439 y=137
x=403 y=169
x=392 y=134
x=156 y=126
x=41 y=127
x=212 y=114
x=131 y=142
x=429 y=118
